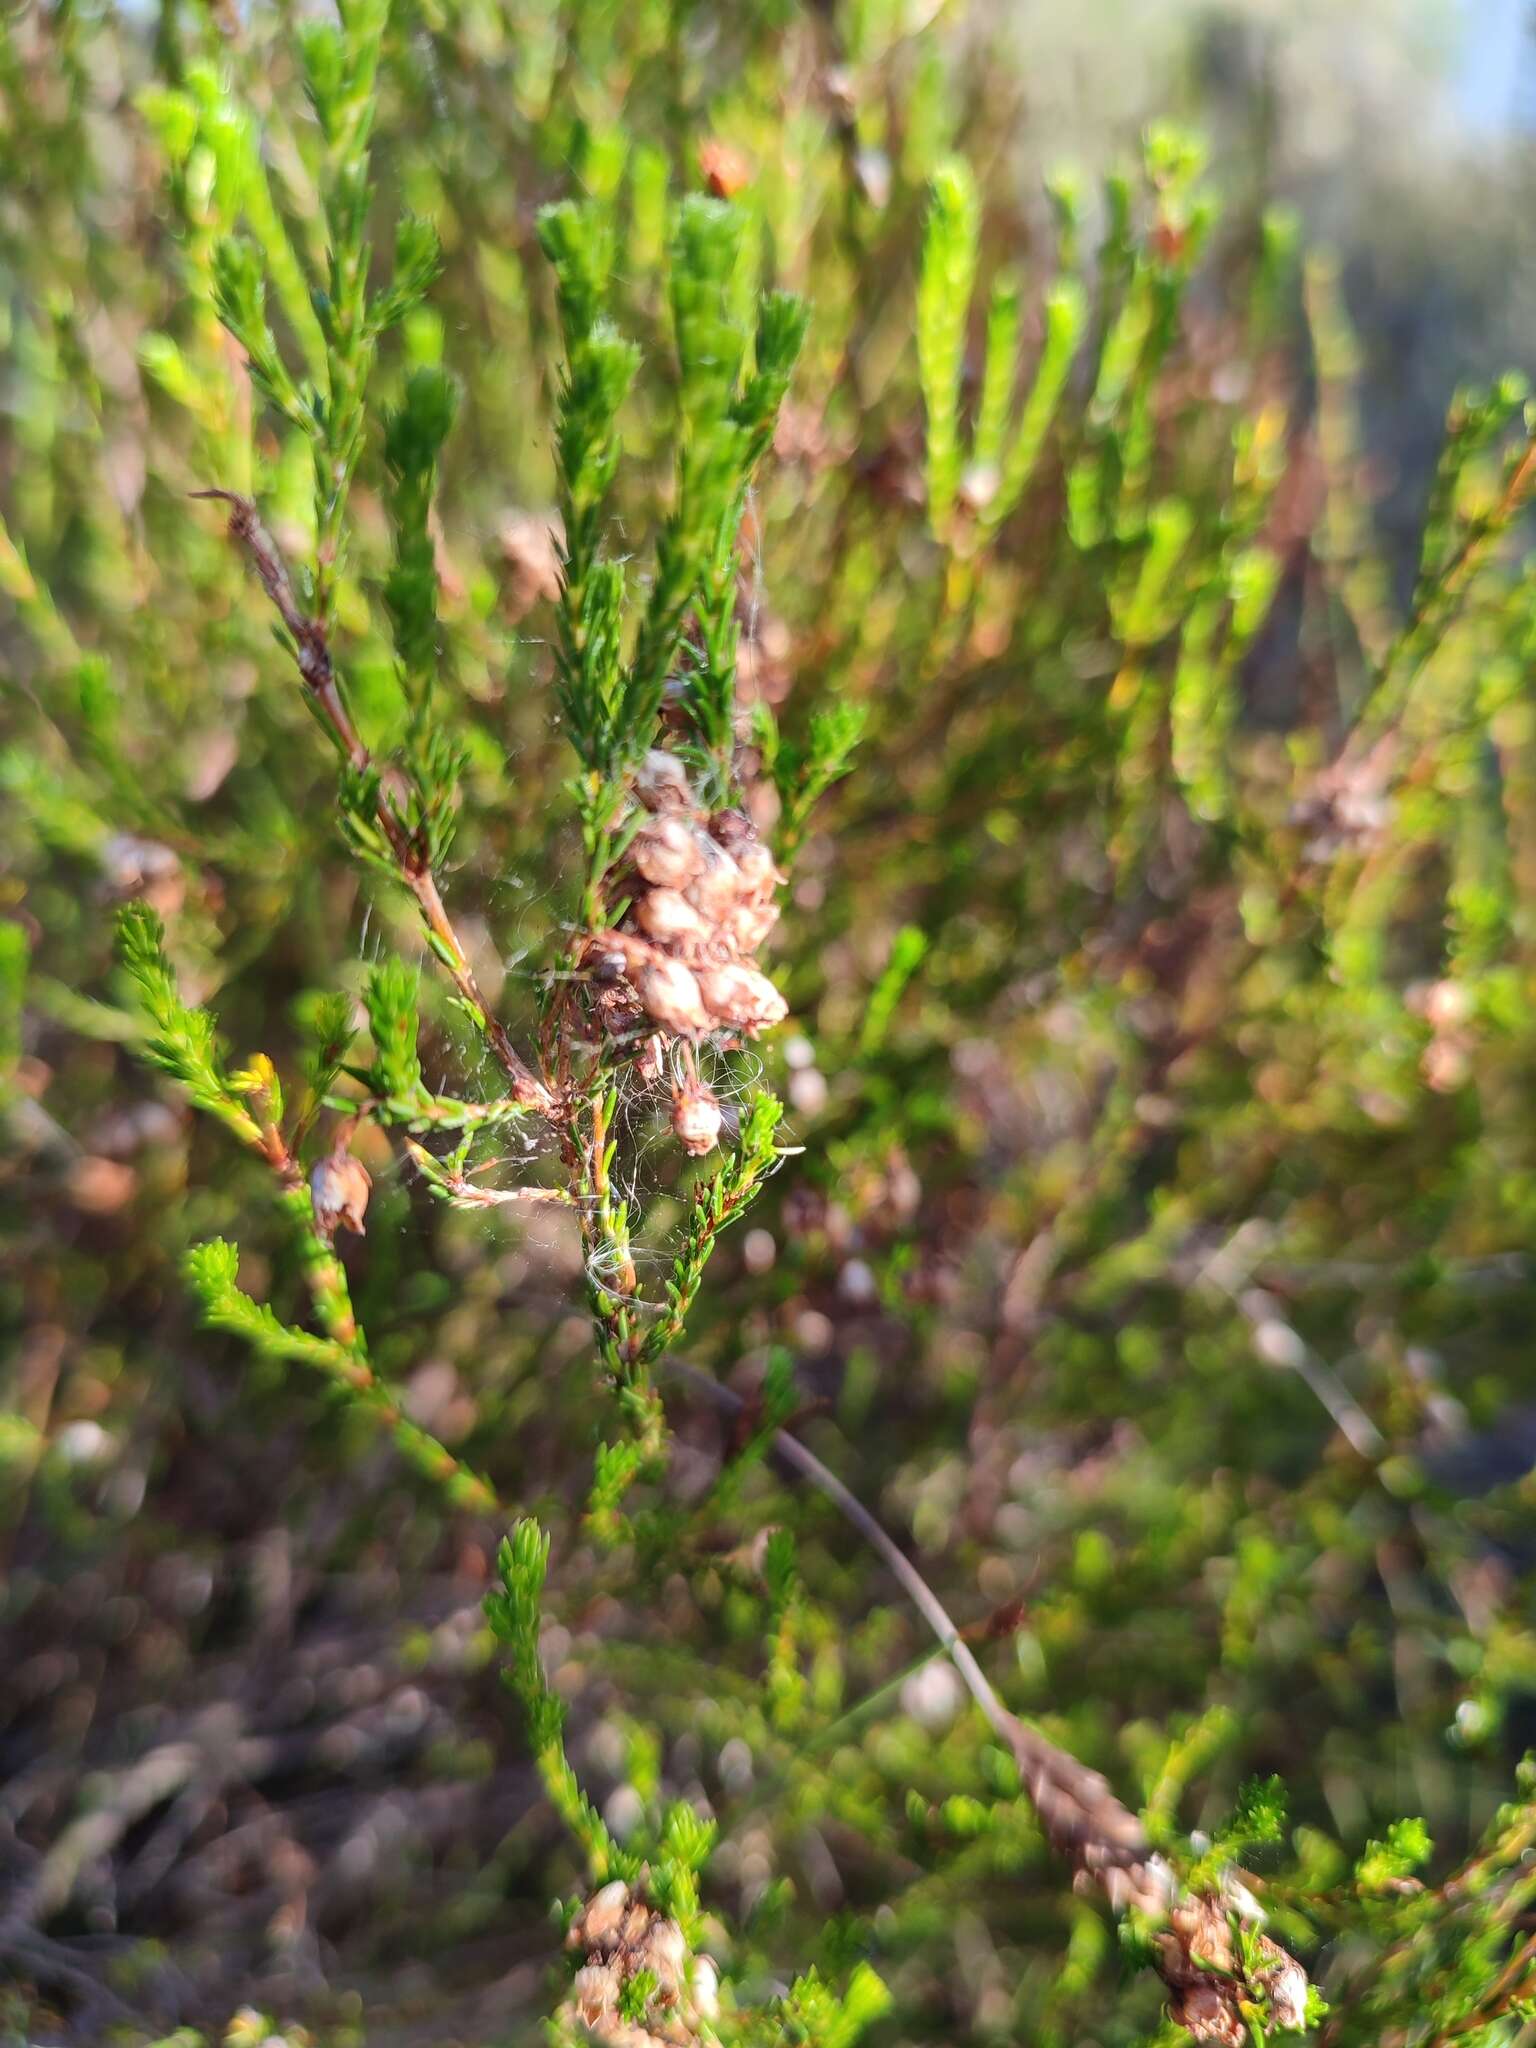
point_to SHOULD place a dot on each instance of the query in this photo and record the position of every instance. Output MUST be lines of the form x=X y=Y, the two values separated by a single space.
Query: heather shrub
x=766 y=1029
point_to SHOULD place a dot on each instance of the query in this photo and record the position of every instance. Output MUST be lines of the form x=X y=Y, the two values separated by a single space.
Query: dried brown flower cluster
x=700 y=889
x=1213 y=1982
x=1211 y=1973
x=625 y=1940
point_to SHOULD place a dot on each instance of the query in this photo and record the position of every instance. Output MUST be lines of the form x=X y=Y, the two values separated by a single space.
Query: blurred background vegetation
x=1158 y=1264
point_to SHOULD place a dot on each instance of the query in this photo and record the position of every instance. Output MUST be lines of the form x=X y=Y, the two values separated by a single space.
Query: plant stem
x=313 y=657
x=1081 y=1816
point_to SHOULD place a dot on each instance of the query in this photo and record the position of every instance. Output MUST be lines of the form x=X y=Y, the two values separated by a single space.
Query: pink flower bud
x=757 y=869
x=671 y=996
x=602 y=1916
x=667 y=1953
x=1447 y=1004
x=716 y=885
x=749 y=924
x=596 y=1992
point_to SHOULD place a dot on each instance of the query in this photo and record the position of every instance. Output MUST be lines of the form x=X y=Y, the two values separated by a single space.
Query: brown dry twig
x=317 y=671
x=1211 y=1974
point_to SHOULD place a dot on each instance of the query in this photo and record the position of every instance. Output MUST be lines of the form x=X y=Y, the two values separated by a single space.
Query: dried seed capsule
x=338 y=1191
x=1210 y=2014
x=749 y=924
x=664 y=853
x=616 y=1010
x=671 y=996
x=758 y=872
x=595 y=1992
x=601 y=1917
x=716 y=885
x=661 y=782
x=696 y=1118
x=742 y=997
x=667 y=916
x=732 y=830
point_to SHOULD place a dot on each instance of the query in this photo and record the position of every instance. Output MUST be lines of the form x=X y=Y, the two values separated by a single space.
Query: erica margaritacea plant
x=655 y=986
x=660 y=978
x=649 y=992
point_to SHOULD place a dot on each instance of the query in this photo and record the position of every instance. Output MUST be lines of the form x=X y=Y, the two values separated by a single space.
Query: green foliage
x=211 y=1270
x=183 y=1042
x=1260 y=1814
x=951 y=243
x=513 y=1613
x=14 y=954
x=1151 y=1256
x=414 y=434
x=391 y=998
x=1009 y=439
x=802 y=772
x=725 y=424
x=1388 y=1862
x=811 y=2012
x=907 y=952
x=716 y=1202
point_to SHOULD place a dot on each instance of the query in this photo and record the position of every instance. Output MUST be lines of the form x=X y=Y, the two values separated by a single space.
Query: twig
x=1216 y=1985
x=1079 y=1811
x=317 y=671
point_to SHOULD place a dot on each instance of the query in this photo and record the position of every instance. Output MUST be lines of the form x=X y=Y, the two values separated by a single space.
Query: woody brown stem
x=1081 y=1815
x=316 y=670
x=1082 y=1818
